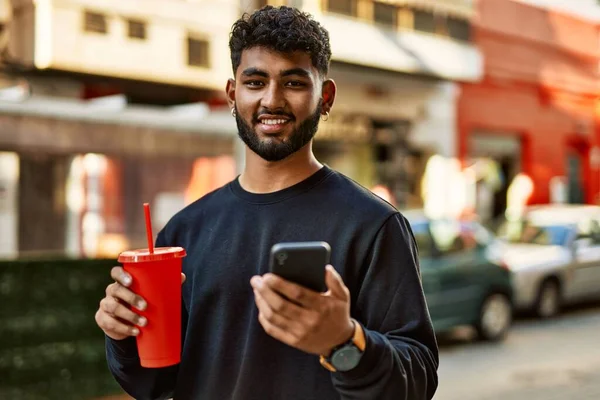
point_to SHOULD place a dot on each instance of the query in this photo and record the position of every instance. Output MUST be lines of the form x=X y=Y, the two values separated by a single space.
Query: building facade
x=108 y=104
x=396 y=64
x=103 y=106
x=537 y=109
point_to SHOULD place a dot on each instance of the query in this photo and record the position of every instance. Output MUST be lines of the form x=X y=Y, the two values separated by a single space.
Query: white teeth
x=273 y=121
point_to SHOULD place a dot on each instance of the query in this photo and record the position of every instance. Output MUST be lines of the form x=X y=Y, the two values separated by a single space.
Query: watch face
x=346 y=358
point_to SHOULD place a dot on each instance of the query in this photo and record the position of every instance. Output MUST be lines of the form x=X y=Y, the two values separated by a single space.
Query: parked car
x=554 y=253
x=463 y=283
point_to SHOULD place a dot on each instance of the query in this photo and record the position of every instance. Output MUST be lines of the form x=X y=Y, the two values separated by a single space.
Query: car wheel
x=548 y=299
x=495 y=317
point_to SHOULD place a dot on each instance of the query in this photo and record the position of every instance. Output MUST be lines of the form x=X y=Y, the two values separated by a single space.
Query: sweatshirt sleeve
x=124 y=362
x=401 y=357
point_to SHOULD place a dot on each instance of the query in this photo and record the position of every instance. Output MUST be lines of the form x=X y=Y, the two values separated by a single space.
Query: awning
x=72 y=126
x=402 y=51
x=193 y=118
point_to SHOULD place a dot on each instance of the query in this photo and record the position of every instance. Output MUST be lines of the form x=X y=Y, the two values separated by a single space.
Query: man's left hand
x=307 y=320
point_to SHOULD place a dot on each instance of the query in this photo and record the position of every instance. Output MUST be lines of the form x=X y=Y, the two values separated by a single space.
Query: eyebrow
x=296 y=71
x=253 y=71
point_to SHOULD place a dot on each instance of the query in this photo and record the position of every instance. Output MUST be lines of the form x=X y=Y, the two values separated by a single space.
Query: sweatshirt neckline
x=283 y=194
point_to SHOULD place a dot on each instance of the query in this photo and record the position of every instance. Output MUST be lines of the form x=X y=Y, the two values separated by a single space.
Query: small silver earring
x=233 y=112
x=326 y=117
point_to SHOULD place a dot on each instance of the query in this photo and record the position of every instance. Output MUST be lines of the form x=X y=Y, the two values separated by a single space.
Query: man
x=248 y=334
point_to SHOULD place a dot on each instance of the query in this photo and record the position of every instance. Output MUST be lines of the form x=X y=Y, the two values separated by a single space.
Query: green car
x=463 y=279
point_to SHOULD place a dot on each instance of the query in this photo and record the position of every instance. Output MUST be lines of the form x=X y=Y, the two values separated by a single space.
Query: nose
x=273 y=98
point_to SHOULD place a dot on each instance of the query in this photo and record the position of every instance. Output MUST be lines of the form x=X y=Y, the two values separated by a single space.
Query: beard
x=272 y=150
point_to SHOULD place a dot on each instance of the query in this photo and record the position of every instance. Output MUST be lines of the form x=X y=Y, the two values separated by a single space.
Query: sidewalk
x=573 y=385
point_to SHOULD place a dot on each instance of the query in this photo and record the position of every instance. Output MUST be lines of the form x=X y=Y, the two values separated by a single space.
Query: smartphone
x=302 y=263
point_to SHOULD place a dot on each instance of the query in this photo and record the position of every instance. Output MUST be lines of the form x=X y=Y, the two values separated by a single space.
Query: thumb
x=182 y=278
x=335 y=284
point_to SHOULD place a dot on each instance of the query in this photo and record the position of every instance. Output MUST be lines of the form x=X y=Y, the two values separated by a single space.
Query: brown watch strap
x=359 y=340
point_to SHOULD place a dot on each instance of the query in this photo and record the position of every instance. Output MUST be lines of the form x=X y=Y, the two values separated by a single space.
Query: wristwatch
x=347 y=355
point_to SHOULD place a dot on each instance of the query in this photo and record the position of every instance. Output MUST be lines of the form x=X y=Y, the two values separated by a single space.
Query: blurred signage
x=345 y=128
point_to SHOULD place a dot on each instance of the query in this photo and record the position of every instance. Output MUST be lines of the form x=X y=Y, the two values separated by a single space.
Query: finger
x=335 y=284
x=276 y=332
x=183 y=278
x=119 y=275
x=126 y=295
x=272 y=316
x=298 y=294
x=114 y=308
x=116 y=328
x=278 y=302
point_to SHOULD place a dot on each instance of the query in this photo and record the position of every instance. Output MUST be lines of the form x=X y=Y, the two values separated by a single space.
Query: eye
x=295 y=84
x=253 y=84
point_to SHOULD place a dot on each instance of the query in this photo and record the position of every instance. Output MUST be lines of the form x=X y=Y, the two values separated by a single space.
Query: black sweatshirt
x=226 y=354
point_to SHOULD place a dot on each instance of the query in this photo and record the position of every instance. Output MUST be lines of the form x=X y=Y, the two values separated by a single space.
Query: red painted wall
x=541 y=82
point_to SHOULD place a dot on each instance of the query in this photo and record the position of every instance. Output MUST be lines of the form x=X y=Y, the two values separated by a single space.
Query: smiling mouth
x=272 y=125
x=273 y=121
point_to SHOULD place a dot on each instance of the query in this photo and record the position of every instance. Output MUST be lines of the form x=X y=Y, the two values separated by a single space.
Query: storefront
x=83 y=173
x=384 y=127
x=536 y=110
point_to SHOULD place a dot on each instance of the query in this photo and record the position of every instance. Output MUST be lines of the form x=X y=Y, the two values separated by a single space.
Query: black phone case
x=302 y=263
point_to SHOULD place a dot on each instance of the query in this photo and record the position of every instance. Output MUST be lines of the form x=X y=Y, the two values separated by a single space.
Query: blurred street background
x=479 y=119
x=551 y=360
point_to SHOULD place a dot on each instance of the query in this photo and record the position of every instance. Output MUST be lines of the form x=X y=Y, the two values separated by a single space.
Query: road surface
x=540 y=360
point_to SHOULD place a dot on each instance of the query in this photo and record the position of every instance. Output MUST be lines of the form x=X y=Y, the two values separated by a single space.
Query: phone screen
x=302 y=263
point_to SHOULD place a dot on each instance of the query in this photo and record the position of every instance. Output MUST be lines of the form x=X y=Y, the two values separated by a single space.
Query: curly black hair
x=283 y=29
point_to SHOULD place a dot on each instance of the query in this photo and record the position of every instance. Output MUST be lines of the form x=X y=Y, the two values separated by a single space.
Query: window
x=95 y=22
x=595 y=231
x=459 y=29
x=385 y=14
x=523 y=231
x=423 y=239
x=136 y=29
x=481 y=234
x=198 y=52
x=425 y=21
x=589 y=228
x=451 y=237
x=345 y=7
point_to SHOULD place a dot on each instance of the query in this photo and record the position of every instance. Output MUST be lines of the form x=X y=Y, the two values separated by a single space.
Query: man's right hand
x=114 y=317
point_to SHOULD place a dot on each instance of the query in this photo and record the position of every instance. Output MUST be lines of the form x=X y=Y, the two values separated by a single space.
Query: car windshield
x=423 y=239
x=523 y=232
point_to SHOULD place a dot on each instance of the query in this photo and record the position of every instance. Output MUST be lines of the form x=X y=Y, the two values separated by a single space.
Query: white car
x=554 y=253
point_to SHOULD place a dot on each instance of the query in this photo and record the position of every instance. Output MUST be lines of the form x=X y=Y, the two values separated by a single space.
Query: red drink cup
x=157 y=278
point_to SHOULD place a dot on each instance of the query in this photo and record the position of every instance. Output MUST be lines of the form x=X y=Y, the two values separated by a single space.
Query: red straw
x=149 y=228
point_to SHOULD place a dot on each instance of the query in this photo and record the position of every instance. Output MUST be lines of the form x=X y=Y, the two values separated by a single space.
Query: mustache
x=259 y=114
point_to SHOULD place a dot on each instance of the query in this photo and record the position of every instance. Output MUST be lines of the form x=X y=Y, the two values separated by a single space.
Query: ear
x=328 y=94
x=230 y=91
